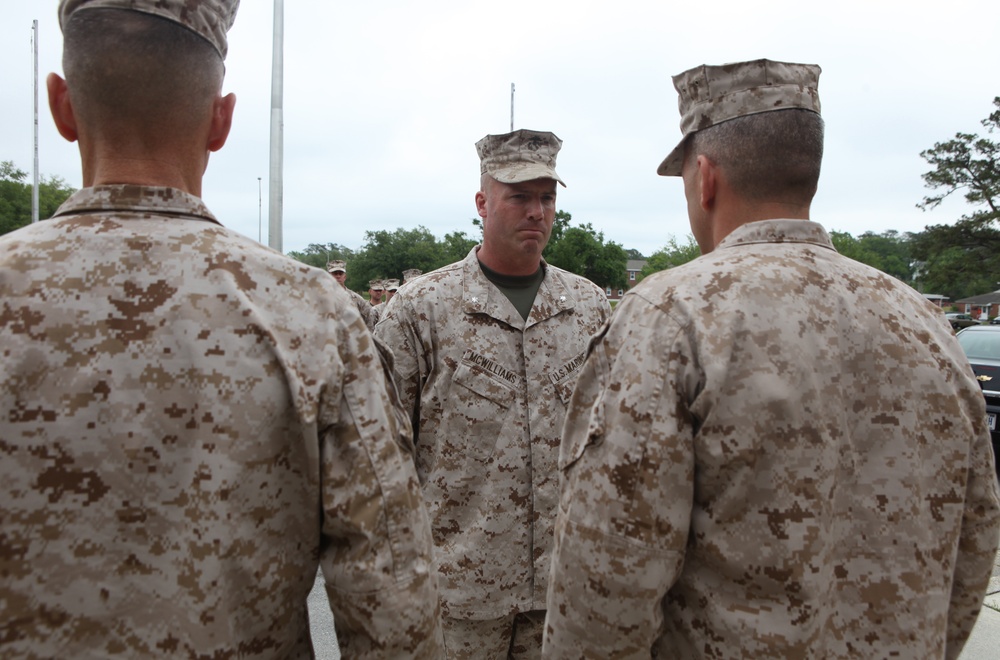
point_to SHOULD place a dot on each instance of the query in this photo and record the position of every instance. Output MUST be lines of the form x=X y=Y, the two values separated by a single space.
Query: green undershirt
x=519 y=289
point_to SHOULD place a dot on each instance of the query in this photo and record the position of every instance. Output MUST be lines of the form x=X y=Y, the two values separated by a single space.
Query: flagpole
x=512 y=107
x=276 y=184
x=34 y=188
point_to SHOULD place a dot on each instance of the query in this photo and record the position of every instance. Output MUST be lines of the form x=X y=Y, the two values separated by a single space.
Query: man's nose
x=536 y=211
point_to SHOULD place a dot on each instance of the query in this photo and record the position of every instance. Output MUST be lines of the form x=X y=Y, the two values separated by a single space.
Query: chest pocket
x=480 y=408
x=564 y=378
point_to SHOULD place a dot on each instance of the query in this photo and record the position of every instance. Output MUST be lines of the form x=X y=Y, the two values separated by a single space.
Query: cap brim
x=518 y=172
x=673 y=163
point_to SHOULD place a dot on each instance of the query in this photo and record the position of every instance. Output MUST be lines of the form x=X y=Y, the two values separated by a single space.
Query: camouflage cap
x=519 y=156
x=376 y=285
x=709 y=95
x=411 y=273
x=336 y=266
x=392 y=284
x=210 y=19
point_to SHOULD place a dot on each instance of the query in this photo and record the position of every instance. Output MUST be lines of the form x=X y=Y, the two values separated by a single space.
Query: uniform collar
x=158 y=200
x=778 y=231
x=479 y=296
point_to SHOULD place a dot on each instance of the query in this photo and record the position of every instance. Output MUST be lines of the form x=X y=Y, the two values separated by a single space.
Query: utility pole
x=276 y=187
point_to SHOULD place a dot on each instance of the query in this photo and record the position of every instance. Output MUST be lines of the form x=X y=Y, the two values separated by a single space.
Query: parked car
x=981 y=344
x=959 y=321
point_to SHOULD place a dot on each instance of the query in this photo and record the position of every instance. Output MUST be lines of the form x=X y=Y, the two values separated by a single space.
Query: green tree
x=456 y=246
x=559 y=227
x=388 y=254
x=890 y=251
x=671 y=255
x=632 y=253
x=967 y=163
x=15 y=197
x=957 y=261
x=962 y=259
x=319 y=254
x=583 y=251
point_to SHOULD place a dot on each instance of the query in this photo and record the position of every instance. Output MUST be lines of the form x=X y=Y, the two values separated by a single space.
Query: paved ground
x=321 y=623
x=982 y=645
x=985 y=640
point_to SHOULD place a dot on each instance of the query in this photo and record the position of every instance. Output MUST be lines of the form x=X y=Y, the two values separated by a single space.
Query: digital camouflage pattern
x=773 y=451
x=368 y=313
x=210 y=19
x=520 y=155
x=374 y=313
x=190 y=425
x=709 y=95
x=364 y=308
x=488 y=394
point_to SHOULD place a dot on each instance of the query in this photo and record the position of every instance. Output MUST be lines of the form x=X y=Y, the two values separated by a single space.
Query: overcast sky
x=383 y=103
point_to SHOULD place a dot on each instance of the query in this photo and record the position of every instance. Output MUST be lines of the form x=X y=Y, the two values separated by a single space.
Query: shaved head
x=138 y=77
x=769 y=156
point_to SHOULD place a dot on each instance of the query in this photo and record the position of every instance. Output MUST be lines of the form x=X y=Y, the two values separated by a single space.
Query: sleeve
x=977 y=546
x=399 y=333
x=627 y=466
x=365 y=310
x=376 y=546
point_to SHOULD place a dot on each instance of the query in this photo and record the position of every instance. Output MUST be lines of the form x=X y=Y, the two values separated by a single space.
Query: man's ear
x=222 y=121
x=61 y=107
x=708 y=182
x=481 y=204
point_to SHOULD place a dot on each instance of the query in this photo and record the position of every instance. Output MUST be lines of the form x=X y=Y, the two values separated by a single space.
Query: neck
x=746 y=213
x=520 y=265
x=107 y=164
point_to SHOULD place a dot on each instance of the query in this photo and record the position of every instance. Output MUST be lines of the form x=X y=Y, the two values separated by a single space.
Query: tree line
x=578 y=249
x=15 y=197
x=957 y=260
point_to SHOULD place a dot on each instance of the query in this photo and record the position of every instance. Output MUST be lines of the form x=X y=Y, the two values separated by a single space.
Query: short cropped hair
x=127 y=68
x=769 y=156
x=484 y=181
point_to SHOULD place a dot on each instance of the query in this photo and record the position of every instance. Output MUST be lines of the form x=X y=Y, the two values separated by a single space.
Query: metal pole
x=34 y=188
x=512 y=107
x=275 y=189
x=260 y=207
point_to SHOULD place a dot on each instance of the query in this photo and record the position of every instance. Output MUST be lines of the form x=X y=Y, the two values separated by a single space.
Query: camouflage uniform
x=375 y=309
x=739 y=485
x=191 y=424
x=488 y=393
x=365 y=309
x=368 y=313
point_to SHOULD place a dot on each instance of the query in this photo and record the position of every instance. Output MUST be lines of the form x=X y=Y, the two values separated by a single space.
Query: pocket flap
x=478 y=381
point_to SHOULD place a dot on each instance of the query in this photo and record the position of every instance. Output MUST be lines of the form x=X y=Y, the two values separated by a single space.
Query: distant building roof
x=935 y=296
x=635 y=264
x=984 y=299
